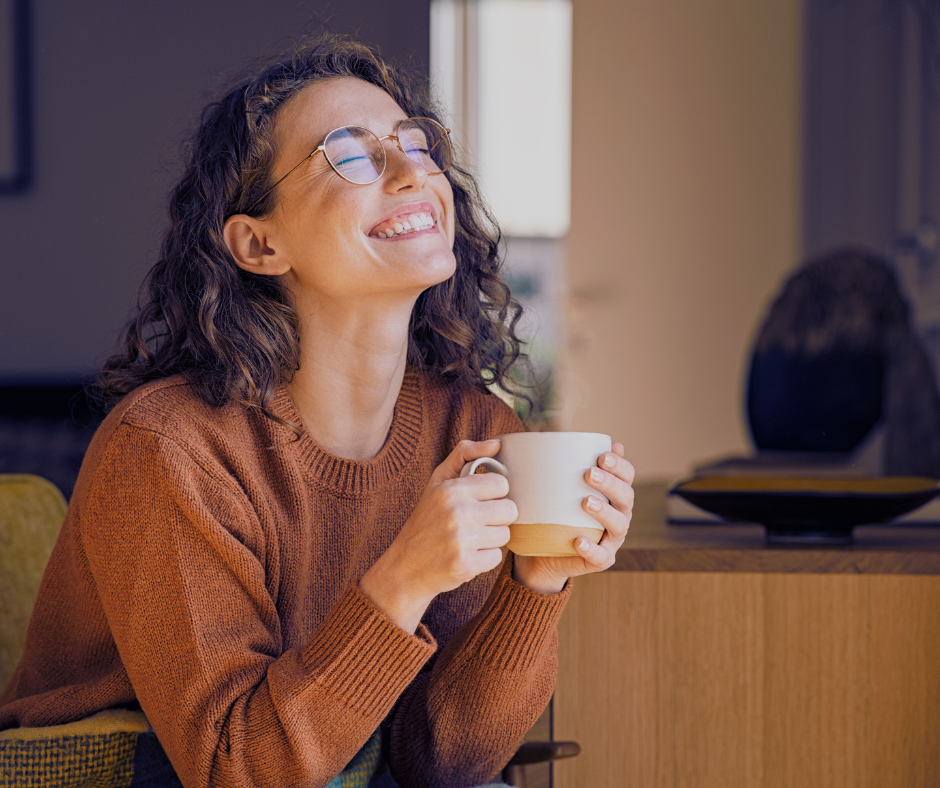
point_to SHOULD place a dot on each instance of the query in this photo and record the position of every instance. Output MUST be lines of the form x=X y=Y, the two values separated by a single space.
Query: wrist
x=394 y=596
x=531 y=572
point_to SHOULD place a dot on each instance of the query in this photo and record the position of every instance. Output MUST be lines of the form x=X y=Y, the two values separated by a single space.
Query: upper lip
x=405 y=210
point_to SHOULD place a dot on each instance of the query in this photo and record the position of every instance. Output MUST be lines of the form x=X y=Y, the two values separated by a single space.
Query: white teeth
x=408 y=224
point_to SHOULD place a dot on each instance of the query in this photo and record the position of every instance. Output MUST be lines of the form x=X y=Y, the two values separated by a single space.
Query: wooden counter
x=708 y=658
x=654 y=546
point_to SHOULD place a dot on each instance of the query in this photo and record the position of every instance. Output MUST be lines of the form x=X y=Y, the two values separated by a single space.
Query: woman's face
x=327 y=229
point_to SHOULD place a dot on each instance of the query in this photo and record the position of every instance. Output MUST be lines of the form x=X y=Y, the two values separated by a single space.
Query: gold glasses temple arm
x=279 y=180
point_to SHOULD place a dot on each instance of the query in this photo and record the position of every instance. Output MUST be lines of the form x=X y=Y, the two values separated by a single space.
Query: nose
x=401 y=172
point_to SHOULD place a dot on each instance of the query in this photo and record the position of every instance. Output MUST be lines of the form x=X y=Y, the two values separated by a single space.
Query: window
x=501 y=69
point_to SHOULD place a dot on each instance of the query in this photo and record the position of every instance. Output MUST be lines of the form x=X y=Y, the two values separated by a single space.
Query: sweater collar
x=359 y=477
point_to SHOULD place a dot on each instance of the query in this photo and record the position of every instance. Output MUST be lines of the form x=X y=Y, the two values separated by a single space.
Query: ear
x=248 y=240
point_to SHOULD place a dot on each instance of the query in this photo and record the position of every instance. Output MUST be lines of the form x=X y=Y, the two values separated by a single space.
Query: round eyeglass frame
x=315 y=151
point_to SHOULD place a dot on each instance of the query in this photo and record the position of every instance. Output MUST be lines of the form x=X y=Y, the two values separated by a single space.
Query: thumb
x=464 y=452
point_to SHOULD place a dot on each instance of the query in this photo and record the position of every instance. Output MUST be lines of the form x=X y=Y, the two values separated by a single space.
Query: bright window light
x=502 y=70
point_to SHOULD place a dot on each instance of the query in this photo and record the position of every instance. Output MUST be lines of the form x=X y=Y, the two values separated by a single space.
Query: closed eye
x=350 y=160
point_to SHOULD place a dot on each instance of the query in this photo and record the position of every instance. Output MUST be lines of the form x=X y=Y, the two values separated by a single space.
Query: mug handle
x=487 y=462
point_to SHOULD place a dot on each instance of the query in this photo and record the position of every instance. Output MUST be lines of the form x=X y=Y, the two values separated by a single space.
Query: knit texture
x=208 y=571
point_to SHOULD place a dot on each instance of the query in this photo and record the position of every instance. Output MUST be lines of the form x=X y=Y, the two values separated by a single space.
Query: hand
x=615 y=475
x=455 y=533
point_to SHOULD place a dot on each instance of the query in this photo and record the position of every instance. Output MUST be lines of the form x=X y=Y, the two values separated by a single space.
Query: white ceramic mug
x=546 y=473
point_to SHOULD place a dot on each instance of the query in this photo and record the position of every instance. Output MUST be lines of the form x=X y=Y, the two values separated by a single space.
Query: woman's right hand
x=454 y=534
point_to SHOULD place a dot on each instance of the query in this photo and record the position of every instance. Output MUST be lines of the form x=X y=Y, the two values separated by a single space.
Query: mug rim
x=554 y=432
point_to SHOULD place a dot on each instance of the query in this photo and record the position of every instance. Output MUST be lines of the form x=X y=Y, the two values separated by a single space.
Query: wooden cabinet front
x=743 y=678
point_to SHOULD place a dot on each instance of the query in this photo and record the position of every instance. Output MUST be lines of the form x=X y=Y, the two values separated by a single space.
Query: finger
x=613 y=543
x=596 y=556
x=617 y=448
x=490 y=558
x=617 y=465
x=502 y=511
x=464 y=452
x=615 y=522
x=619 y=493
x=491 y=536
x=484 y=486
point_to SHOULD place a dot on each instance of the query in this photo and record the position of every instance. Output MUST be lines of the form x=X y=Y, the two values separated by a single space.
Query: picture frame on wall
x=15 y=121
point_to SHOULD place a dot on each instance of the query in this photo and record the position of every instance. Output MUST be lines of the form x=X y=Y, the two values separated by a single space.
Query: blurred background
x=658 y=169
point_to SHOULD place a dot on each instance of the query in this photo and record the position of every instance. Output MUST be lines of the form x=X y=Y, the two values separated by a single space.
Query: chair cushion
x=118 y=749
x=97 y=751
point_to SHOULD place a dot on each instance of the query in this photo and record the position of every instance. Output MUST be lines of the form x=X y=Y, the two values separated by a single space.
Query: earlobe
x=248 y=242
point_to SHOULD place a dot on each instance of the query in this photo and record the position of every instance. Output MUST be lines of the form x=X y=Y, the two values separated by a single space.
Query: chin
x=433 y=270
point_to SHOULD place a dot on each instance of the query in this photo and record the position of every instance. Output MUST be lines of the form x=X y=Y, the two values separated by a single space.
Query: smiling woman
x=270 y=550
x=247 y=143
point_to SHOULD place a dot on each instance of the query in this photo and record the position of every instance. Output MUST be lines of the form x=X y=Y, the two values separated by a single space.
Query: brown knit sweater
x=208 y=570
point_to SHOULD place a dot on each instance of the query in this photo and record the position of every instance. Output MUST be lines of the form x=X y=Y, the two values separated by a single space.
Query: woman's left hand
x=613 y=477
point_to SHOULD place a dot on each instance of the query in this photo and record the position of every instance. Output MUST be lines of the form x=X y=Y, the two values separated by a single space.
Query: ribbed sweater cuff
x=516 y=623
x=365 y=658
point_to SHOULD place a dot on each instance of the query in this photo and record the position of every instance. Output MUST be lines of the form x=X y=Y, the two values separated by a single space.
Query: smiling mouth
x=403 y=225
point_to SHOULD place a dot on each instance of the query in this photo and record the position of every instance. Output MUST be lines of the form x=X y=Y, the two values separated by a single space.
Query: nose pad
x=400 y=170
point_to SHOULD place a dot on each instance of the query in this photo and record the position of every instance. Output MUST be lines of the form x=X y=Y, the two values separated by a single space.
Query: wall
x=685 y=217
x=852 y=116
x=115 y=87
x=871 y=163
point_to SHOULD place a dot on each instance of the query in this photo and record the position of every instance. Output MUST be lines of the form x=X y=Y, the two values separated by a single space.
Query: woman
x=269 y=548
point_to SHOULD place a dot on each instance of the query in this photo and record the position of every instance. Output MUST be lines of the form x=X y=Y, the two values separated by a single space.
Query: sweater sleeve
x=460 y=723
x=179 y=564
x=465 y=715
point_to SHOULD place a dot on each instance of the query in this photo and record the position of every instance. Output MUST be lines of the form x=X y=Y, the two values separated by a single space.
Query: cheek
x=328 y=220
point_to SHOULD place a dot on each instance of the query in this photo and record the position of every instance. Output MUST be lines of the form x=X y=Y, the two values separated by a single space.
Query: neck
x=352 y=362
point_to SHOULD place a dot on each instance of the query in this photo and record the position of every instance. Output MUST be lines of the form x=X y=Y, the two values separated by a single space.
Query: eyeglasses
x=357 y=155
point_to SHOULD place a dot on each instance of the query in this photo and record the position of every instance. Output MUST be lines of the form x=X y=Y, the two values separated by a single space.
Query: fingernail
x=609 y=460
x=596 y=475
x=583 y=544
x=593 y=503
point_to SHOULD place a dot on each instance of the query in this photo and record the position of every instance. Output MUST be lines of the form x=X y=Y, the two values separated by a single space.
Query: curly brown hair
x=234 y=334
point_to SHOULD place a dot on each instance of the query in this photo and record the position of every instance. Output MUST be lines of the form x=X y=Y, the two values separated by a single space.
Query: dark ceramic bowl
x=805 y=509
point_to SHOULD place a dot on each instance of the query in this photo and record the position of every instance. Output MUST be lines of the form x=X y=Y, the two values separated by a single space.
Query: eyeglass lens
x=359 y=156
